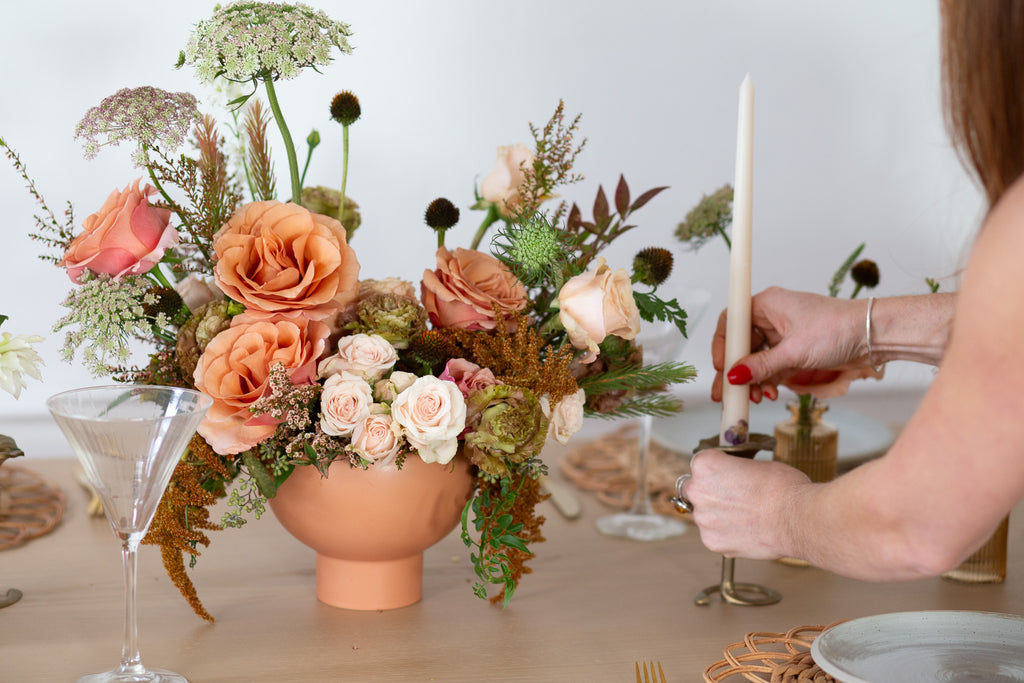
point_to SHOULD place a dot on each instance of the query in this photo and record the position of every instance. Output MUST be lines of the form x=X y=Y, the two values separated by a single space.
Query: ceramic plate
x=924 y=647
x=860 y=437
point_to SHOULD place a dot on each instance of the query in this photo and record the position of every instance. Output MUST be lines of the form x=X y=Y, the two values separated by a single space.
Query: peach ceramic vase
x=369 y=528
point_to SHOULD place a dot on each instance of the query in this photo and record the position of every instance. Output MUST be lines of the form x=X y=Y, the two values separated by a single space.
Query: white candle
x=735 y=398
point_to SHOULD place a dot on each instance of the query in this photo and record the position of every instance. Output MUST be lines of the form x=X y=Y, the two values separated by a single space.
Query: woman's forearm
x=913 y=328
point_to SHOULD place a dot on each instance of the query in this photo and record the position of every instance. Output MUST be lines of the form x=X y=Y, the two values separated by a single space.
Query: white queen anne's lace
x=256 y=40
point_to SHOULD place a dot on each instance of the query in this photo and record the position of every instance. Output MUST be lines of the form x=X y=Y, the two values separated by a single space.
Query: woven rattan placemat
x=607 y=466
x=771 y=658
x=30 y=506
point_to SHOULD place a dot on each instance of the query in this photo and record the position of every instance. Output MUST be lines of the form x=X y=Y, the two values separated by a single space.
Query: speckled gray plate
x=924 y=647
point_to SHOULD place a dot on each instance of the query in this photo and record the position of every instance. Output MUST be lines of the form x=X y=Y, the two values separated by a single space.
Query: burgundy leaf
x=574 y=219
x=600 y=205
x=622 y=196
x=646 y=197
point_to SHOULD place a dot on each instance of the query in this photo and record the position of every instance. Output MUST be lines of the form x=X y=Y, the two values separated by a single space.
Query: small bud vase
x=988 y=563
x=369 y=527
x=809 y=444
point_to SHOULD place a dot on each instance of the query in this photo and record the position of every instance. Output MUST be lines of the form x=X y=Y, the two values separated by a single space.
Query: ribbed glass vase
x=808 y=443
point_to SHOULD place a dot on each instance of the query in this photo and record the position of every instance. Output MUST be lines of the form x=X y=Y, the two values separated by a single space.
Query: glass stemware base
x=143 y=676
x=640 y=526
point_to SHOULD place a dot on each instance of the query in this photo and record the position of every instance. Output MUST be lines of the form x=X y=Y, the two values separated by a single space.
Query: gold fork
x=650 y=678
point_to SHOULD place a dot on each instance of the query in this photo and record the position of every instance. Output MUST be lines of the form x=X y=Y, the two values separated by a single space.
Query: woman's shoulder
x=1009 y=210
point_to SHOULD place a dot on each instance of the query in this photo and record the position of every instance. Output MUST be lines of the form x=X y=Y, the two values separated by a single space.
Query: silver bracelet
x=867 y=334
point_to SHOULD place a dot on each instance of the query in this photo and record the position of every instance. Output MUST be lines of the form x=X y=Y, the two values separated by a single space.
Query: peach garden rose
x=234 y=371
x=126 y=236
x=597 y=303
x=466 y=286
x=275 y=257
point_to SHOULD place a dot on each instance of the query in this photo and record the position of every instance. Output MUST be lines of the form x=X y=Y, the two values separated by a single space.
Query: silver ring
x=679 y=501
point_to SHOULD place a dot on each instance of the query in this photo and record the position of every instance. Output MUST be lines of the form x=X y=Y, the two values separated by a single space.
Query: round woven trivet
x=607 y=466
x=29 y=506
x=771 y=658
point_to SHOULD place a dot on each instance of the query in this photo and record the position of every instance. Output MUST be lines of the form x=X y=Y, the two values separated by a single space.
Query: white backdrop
x=849 y=139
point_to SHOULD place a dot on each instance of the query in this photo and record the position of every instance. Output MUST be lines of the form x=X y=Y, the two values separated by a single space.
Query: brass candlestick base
x=732 y=592
x=746 y=594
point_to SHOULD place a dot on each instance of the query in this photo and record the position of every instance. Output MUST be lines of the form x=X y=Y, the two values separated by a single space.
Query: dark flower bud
x=166 y=301
x=345 y=108
x=430 y=347
x=441 y=214
x=652 y=265
x=865 y=273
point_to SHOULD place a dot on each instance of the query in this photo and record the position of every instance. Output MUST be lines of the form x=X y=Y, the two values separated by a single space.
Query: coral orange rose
x=234 y=371
x=126 y=236
x=465 y=288
x=595 y=304
x=281 y=258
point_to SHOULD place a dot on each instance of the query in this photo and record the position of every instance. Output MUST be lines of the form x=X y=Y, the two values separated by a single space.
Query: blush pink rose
x=566 y=418
x=345 y=402
x=432 y=414
x=234 y=371
x=126 y=236
x=378 y=439
x=280 y=258
x=196 y=290
x=597 y=303
x=466 y=286
x=385 y=390
x=369 y=356
x=467 y=376
x=501 y=186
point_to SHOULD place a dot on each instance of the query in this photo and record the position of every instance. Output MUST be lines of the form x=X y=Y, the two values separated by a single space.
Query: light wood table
x=593 y=606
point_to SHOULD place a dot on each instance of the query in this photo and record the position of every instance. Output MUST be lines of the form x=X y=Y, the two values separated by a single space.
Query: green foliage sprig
x=53 y=233
x=497 y=530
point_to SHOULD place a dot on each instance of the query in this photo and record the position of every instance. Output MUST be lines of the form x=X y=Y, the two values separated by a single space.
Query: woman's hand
x=740 y=506
x=811 y=343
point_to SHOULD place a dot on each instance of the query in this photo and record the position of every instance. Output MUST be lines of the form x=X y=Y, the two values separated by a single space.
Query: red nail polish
x=739 y=375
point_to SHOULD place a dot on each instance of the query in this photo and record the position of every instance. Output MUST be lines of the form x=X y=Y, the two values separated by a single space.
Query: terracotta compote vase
x=369 y=528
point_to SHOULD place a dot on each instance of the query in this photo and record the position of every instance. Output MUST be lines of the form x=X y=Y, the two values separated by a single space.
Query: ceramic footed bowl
x=369 y=528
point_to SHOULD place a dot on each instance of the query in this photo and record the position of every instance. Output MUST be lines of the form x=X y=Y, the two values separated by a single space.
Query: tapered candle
x=735 y=398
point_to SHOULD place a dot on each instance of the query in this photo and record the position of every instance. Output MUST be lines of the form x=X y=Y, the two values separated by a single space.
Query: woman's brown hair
x=983 y=87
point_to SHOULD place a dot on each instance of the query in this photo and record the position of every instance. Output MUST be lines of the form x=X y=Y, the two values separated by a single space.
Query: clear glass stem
x=642 y=497
x=131 y=660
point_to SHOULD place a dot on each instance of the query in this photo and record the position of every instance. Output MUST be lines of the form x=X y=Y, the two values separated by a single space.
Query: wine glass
x=129 y=439
x=661 y=342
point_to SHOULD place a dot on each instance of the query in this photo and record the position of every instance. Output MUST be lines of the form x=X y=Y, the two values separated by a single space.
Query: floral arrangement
x=256 y=301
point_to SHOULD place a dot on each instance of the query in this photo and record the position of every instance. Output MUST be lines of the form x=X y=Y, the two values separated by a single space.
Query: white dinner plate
x=860 y=437
x=924 y=647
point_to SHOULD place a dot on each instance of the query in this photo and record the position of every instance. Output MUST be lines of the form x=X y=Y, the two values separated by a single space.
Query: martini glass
x=662 y=342
x=129 y=439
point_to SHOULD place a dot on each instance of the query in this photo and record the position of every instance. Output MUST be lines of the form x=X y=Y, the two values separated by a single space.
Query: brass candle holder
x=733 y=592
